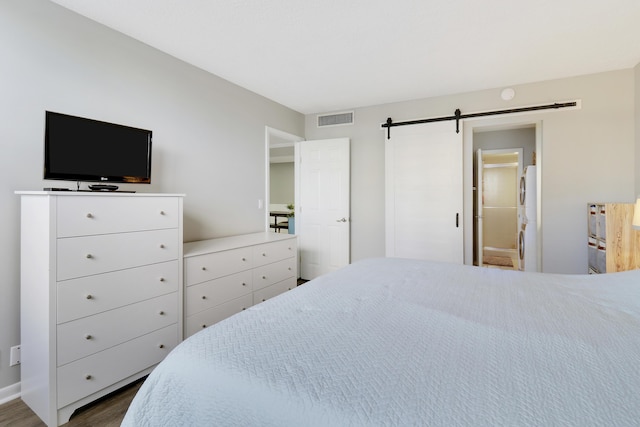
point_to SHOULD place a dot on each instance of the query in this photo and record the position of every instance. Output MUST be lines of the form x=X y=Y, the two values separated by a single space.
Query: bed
x=396 y=342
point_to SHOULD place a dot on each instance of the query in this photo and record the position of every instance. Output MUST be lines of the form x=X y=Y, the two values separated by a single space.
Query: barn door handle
x=457 y=220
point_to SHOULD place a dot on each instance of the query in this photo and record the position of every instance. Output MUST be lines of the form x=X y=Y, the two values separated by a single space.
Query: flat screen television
x=81 y=149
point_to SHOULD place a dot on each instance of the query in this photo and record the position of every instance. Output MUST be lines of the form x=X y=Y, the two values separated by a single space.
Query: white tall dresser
x=101 y=293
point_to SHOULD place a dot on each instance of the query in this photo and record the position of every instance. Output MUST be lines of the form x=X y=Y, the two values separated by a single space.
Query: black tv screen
x=80 y=149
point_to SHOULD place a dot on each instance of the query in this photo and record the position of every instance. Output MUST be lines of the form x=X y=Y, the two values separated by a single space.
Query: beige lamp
x=636 y=215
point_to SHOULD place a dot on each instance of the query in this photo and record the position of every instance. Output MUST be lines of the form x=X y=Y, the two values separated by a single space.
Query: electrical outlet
x=14 y=356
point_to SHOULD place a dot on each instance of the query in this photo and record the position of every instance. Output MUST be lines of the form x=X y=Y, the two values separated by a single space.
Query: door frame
x=275 y=138
x=499 y=123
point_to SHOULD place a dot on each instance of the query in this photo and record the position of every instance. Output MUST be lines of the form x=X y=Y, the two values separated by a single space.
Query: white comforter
x=412 y=343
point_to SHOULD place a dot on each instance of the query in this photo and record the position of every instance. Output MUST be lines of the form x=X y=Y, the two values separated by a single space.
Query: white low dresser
x=227 y=275
x=101 y=293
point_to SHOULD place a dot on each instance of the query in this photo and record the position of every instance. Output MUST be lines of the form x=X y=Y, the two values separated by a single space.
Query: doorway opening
x=281 y=179
x=500 y=220
x=496 y=209
x=323 y=232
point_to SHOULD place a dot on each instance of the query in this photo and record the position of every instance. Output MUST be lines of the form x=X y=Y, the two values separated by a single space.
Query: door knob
x=341 y=220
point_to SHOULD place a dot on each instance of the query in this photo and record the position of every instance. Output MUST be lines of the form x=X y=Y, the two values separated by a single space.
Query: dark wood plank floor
x=105 y=412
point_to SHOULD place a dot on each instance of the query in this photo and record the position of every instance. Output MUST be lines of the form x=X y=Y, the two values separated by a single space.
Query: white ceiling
x=331 y=55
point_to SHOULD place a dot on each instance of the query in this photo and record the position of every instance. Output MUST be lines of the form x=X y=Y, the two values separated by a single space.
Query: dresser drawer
x=215 y=292
x=82 y=216
x=274 y=290
x=84 y=256
x=92 y=334
x=213 y=315
x=273 y=273
x=86 y=296
x=91 y=374
x=274 y=251
x=205 y=267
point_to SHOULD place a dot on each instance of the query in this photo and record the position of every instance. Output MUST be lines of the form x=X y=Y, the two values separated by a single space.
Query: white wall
x=282 y=183
x=208 y=134
x=588 y=154
x=637 y=104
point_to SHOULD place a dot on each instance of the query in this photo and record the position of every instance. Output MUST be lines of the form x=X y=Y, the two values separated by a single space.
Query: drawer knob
x=161 y=313
x=263 y=300
x=88 y=337
x=204 y=297
x=89 y=256
x=244 y=259
x=244 y=308
x=204 y=326
x=89 y=296
x=244 y=284
x=161 y=246
x=264 y=254
x=264 y=277
x=204 y=268
x=87 y=377
x=89 y=215
x=161 y=346
x=162 y=279
x=162 y=213
x=289 y=269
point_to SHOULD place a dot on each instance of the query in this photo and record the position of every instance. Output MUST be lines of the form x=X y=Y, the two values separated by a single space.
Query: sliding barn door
x=423 y=199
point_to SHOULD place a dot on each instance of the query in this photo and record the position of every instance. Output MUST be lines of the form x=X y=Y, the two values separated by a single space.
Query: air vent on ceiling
x=345 y=118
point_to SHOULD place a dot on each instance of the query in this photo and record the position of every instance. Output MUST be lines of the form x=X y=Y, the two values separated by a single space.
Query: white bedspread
x=411 y=343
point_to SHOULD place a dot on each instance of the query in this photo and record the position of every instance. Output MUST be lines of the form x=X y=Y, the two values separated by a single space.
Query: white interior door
x=423 y=199
x=323 y=214
x=479 y=206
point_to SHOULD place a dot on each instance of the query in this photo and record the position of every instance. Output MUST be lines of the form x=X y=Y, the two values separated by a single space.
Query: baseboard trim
x=9 y=393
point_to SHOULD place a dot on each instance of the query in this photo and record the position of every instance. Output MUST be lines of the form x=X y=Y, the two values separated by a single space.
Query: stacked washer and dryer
x=527 y=221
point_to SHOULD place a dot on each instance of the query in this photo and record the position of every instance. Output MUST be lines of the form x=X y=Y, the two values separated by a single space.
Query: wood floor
x=108 y=411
